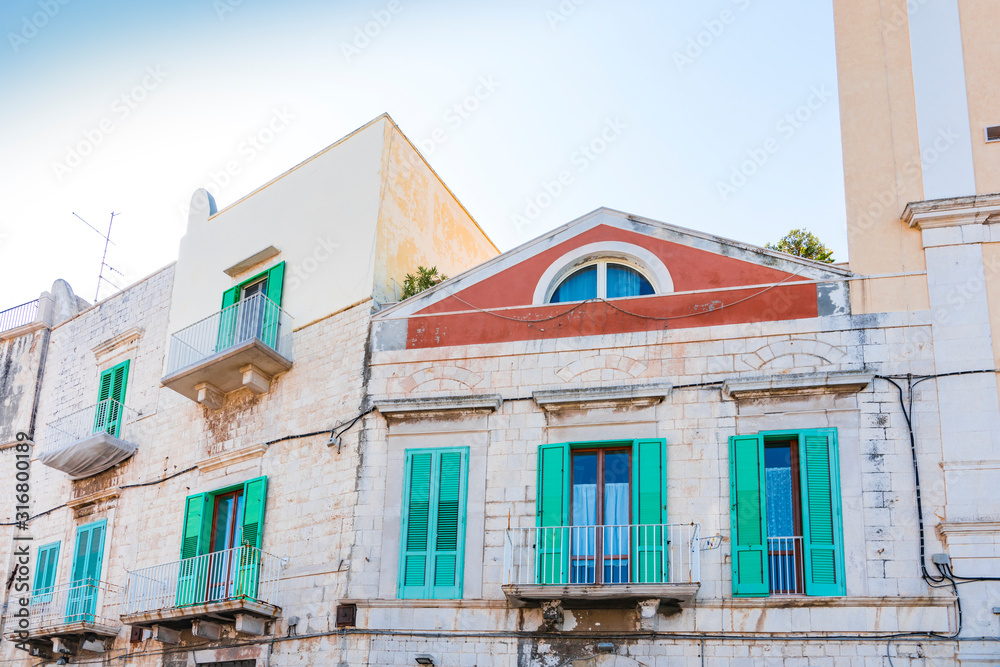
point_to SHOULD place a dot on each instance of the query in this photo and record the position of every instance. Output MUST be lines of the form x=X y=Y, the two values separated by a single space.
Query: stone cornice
x=969 y=527
x=229 y=458
x=92 y=498
x=403 y=408
x=794 y=384
x=933 y=213
x=125 y=339
x=641 y=395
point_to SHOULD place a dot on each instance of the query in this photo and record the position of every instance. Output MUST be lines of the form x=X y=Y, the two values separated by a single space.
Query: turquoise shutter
x=227 y=319
x=193 y=571
x=432 y=548
x=416 y=524
x=552 y=510
x=248 y=556
x=748 y=534
x=101 y=412
x=272 y=316
x=649 y=500
x=86 y=572
x=448 y=546
x=119 y=379
x=822 y=524
x=46 y=560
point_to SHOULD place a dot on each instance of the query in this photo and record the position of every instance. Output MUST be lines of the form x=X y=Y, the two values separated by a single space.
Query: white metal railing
x=18 y=316
x=242 y=573
x=603 y=555
x=784 y=556
x=253 y=317
x=107 y=416
x=85 y=601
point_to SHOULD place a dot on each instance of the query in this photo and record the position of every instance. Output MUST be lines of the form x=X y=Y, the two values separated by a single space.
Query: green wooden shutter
x=272 y=316
x=416 y=525
x=46 y=560
x=227 y=319
x=748 y=533
x=649 y=500
x=822 y=524
x=101 y=412
x=119 y=380
x=193 y=571
x=88 y=557
x=248 y=556
x=552 y=513
x=432 y=549
x=448 y=505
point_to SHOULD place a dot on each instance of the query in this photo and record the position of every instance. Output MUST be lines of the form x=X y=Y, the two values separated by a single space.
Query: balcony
x=89 y=441
x=584 y=566
x=66 y=619
x=237 y=585
x=18 y=316
x=786 y=566
x=243 y=345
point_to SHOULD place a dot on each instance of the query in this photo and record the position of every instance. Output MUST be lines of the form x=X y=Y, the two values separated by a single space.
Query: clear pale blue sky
x=682 y=116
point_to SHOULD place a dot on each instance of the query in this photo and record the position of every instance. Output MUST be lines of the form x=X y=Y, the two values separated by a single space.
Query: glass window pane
x=624 y=281
x=223 y=523
x=579 y=286
x=778 y=485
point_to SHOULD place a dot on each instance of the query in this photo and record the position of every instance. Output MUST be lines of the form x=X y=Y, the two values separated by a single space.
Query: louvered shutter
x=119 y=380
x=88 y=557
x=101 y=412
x=248 y=554
x=227 y=319
x=649 y=498
x=821 y=513
x=272 y=316
x=748 y=516
x=449 y=522
x=416 y=525
x=47 y=558
x=552 y=514
x=192 y=574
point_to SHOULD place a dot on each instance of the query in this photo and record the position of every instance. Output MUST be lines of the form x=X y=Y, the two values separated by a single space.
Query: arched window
x=603 y=278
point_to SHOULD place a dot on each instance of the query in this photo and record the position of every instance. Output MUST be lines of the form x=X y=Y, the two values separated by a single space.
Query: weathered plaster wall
x=421 y=222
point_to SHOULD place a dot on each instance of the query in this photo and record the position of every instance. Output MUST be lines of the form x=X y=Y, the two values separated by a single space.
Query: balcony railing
x=240 y=574
x=91 y=605
x=18 y=316
x=74 y=443
x=255 y=317
x=604 y=556
x=784 y=556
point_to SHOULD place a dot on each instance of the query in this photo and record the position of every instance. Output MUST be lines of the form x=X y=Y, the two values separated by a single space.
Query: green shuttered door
x=88 y=557
x=821 y=513
x=275 y=280
x=248 y=563
x=433 y=524
x=110 y=397
x=746 y=496
x=227 y=319
x=193 y=571
x=45 y=572
x=552 y=508
x=649 y=500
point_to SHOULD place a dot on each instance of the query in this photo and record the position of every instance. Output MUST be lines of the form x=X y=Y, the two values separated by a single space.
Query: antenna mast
x=104 y=264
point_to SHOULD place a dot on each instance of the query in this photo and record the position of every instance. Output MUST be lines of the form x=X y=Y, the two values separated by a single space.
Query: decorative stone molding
x=818 y=352
x=638 y=396
x=455 y=376
x=123 y=341
x=616 y=363
x=933 y=213
x=105 y=495
x=229 y=458
x=796 y=384
x=251 y=261
x=420 y=408
x=968 y=528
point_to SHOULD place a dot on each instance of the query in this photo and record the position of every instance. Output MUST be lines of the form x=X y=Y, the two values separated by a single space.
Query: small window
x=602 y=279
x=993 y=133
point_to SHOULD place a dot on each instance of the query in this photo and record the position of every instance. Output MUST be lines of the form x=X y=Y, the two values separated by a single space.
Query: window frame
x=601 y=262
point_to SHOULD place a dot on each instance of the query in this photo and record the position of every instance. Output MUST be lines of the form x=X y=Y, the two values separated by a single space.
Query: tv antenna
x=104 y=264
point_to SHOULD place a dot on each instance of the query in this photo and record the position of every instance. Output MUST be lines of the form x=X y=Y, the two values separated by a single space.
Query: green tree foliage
x=803 y=243
x=424 y=279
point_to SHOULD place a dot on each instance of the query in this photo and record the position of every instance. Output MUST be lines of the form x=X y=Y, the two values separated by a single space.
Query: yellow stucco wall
x=881 y=153
x=981 y=51
x=421 y=222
